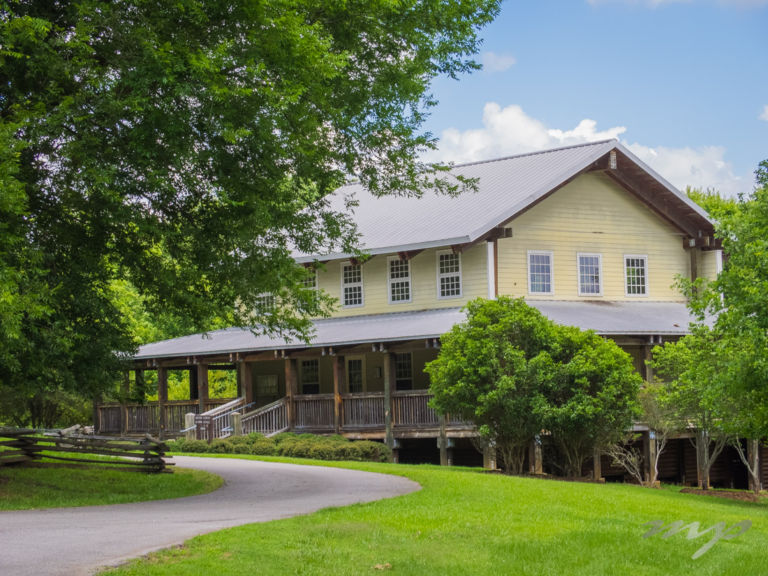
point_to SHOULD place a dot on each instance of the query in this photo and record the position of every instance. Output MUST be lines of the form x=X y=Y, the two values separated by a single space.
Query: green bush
x=290 y=445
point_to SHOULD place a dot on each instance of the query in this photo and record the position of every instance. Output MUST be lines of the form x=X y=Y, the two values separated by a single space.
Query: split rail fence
x=19 y=446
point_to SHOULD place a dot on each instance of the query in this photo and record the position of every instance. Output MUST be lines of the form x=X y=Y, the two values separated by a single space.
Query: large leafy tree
x=515 y=373
x=188 y=147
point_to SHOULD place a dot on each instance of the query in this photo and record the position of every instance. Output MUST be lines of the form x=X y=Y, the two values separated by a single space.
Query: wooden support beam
x=338 y=379
x=291 y=389
x=245 y=381
x=162 y=397
x=389 y=387
x=202 y=385
x=194 y=390
x=126 y=391
x=407 y=255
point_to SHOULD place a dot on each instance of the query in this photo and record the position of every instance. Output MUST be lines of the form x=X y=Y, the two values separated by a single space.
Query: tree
x=188 y=148
x=514 y=373
x=483 y=374
x=691 y=369
x=590 y=390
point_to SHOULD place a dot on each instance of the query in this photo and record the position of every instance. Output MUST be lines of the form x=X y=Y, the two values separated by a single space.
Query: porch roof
x=606 y=318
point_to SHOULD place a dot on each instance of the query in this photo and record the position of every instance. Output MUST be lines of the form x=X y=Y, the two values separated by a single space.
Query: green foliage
x=166 y=158
x=514 y=373
x=716 y=205
x=726 y=363
x=291 y=445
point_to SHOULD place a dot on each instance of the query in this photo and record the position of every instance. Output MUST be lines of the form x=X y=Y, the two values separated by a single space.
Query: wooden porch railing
x=313 y=412
x=268 y=420
x=362 y=410
x=217 y=422
x=145 y=418
x=410 y=409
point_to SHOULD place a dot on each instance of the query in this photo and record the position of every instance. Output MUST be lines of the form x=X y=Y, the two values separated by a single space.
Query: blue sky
x=684 y=84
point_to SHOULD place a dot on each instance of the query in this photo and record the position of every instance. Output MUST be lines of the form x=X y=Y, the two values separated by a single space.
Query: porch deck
x=356 y=415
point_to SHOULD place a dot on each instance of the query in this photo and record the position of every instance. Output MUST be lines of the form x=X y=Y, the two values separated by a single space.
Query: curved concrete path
x=77 y=541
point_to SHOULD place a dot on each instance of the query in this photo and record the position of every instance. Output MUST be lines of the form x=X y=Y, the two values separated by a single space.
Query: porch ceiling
x=607 y=318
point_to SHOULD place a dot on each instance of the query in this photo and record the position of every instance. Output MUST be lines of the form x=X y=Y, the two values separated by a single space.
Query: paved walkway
x=77 y=541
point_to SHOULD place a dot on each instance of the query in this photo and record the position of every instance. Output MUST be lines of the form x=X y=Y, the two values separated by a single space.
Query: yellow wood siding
x=708 y=264
x=593 y=215
x=424 y=293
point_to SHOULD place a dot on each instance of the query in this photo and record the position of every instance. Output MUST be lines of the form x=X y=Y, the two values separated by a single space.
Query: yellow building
x=588 y=234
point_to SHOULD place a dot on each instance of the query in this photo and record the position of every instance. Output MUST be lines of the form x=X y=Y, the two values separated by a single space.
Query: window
x=403 y=371
x=310 y=281
x=590 y=275
x=399 y=280
x=266 y=385
x=265 y=303
x=310 y=376
x=448 y=275
x=636 y=275
x=355 y=374
x=351 y=285
x=540 y=272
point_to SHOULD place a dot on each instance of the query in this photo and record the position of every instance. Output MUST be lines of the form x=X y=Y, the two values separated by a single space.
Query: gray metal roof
x=506 y=187
x=607 y=318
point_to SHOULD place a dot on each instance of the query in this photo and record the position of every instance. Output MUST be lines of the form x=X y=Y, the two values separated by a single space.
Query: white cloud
x=764 y=114
x=509 y=130
x=493 y=62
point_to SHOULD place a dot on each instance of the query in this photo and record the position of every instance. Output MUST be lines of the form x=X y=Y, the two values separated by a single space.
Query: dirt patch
x=741 y=496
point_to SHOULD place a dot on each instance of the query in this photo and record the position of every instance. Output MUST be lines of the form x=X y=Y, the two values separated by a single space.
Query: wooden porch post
x=338 y=376
x=389 y=385
x=202 y=385
x=291 y=387
x=194 y=389
x=123 y=405
x=245 y=381
x=650 y=449
x=162 y=397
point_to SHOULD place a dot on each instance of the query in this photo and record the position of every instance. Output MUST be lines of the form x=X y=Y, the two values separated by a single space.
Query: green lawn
x=470 y=522
x=23 y=488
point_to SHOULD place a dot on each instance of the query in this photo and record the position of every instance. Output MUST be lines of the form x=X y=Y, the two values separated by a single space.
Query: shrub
x=290 y=445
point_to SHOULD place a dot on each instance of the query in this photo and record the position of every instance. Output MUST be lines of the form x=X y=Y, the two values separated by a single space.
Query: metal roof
x=506 y=187
x=607 y=318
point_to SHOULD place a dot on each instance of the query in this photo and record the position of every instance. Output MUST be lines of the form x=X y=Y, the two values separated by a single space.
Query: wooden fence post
x=189 y=425
x=237 y=424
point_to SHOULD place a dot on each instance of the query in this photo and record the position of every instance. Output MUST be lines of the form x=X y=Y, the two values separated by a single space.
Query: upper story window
x=403 y=371
x=448 y=274
x=310 y=376
x=351 y=285
x=636 y=275
x=590 y=275
x=266 y=302
x=399 y=280
x=540 y=272
x=310 y=280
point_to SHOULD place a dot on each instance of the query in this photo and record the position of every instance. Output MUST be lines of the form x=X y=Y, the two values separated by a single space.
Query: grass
x=23 y=488
x=469 y=522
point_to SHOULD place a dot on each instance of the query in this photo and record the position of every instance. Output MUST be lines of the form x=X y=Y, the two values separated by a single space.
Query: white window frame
x=352 y=285
x=363 y=384
x=644 y=258
x=579 y=255
x=551 y=271
x=399 y=280
x=316 y=283
x=448 y=275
